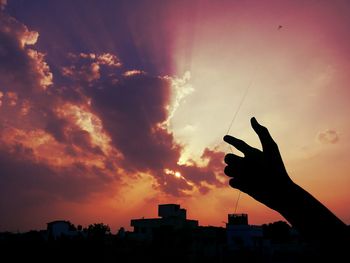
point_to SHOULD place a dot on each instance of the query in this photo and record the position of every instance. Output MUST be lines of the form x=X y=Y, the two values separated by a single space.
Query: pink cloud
x=328 y=137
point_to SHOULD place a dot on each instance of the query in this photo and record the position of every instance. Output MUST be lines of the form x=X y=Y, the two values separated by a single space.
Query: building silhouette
x=170 y=237
x=60 y=228
x=171 y=218
x=241 y=235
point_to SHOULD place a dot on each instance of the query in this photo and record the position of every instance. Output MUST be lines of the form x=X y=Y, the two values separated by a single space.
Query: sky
x=109 y=108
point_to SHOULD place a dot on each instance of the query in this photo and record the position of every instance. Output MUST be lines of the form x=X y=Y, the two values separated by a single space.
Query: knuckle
x=234 y=183
x=274 y=145
x=228 y=171
x=243 y=145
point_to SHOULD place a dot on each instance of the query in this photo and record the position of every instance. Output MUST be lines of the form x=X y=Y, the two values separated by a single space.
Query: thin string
x=239 y=195
x=237 y=111
x=234 y=118
x=241 y=101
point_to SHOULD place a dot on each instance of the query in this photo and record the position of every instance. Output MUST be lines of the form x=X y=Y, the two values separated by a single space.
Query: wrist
x=285 y=197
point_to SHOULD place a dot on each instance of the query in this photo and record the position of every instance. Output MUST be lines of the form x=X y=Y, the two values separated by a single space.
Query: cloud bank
x=82 y=130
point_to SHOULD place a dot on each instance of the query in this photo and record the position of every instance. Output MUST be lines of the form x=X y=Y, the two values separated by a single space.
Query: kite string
x=237 y=111
x=239 y=195
x=241 y=102
x=234 y=118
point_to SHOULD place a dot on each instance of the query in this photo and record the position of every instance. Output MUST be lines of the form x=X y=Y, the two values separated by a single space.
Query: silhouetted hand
x=260 y=174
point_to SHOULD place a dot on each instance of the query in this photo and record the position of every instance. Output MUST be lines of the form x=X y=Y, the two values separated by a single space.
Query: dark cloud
x=55 y=126
x=31 y=189
x=328 y=137
x=3 y=4
x=29 y=113
x=133 y=111
x=21 y=68
x=78 y=132
x=86 y=68
x=26 y=182
x=175 y=186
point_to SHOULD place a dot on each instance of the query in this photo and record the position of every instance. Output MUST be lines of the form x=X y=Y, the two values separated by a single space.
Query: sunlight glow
x=46 y=149
x=174 y=173
x=89 y=122
x=177 y=174
x=181 y=88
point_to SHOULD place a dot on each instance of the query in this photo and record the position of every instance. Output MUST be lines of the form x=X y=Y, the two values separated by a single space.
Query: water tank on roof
x=171 y=210
x=237 y=219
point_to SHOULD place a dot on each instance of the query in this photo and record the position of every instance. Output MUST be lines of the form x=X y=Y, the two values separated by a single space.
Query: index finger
x=238 y=144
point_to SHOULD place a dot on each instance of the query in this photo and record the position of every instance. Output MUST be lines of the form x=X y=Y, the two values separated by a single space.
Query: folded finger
x=233 y=159
x=234 y=171
x=235 y=183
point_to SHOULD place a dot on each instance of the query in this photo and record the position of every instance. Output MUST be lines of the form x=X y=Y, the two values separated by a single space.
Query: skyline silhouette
x=110 y=108
x=156 y=238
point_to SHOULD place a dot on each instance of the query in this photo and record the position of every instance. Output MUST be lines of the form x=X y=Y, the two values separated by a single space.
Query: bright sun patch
x=174 y=173
x=177 y=174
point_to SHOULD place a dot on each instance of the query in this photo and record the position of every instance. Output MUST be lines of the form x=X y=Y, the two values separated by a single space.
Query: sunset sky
x=109 y=108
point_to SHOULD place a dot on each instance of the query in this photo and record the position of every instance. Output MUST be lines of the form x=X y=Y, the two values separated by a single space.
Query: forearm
x=312 y=219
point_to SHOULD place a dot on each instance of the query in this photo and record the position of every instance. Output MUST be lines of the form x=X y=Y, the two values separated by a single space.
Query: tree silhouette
x=98 y=230
x=277 y=232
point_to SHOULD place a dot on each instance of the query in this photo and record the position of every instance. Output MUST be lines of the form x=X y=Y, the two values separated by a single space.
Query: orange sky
x=120 y=107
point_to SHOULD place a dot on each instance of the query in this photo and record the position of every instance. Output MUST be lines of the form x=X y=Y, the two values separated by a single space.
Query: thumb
x=265 y=138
